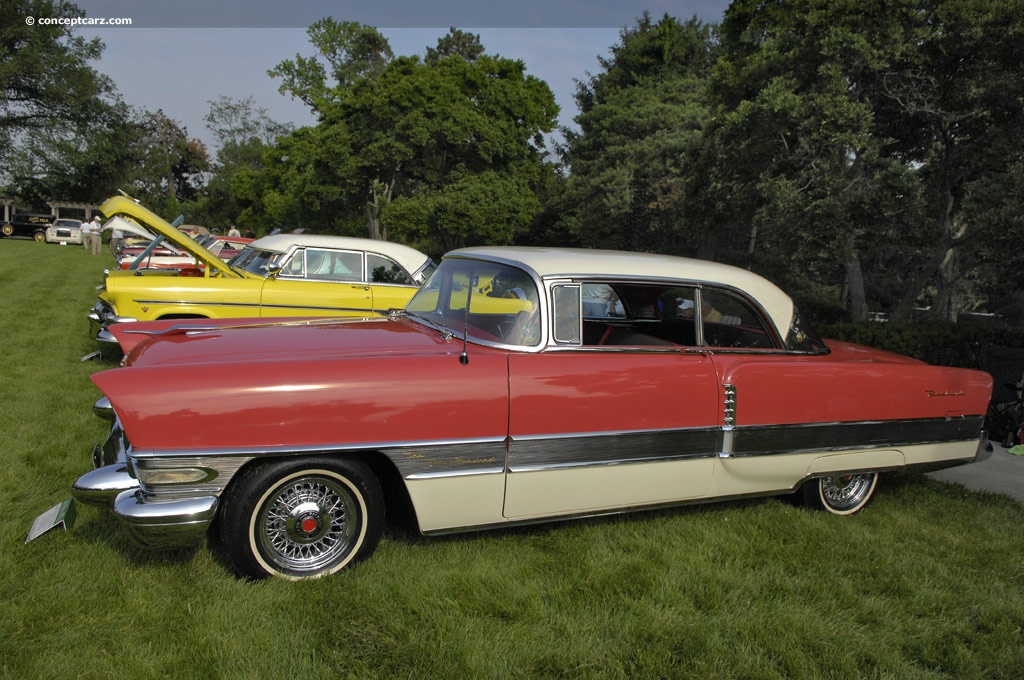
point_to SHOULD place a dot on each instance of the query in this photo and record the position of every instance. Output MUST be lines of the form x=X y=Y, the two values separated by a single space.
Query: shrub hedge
x=940 y=343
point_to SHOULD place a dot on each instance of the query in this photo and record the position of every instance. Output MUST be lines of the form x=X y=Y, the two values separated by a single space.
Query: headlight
x=151 y=477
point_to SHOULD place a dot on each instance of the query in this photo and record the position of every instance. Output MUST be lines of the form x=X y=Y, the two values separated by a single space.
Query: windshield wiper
x=448 y=332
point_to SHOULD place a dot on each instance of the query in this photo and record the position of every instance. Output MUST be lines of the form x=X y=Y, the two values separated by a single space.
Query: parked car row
x=281 y=275
x=43 y=227
x=505 y=386
x=147 y=255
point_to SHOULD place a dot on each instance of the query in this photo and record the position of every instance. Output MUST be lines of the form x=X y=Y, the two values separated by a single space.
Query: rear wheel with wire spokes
x=842 y=494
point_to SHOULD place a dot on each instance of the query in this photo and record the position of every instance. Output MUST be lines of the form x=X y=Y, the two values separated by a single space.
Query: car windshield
x=503 y=304
x=255 y=261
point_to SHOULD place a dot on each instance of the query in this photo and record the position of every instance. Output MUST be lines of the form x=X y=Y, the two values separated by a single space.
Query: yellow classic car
x=282 y=275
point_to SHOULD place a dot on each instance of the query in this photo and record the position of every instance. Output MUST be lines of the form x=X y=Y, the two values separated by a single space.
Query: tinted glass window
x=385 y=270
x=729 y=321
x=637 y=314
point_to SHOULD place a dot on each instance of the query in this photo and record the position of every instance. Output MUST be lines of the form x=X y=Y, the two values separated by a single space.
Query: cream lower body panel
x=595 y=489
x=779 y=473
x=451 y=503
x=747 y=475
x=457 y=501
x=464 y=501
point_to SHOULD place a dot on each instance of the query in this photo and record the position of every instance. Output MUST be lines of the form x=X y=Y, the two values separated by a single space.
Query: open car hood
x=122 y=206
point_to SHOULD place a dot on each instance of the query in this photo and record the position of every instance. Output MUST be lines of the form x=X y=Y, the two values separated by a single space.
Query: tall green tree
x=84 y=163
x=796 y=95
x=438 y=138
x=46 y=80
x=237 y=182
x=852 y=131
x=170 y=165
x=347 y=52
x=641 y=123
x=442 y=152
x=954 y=100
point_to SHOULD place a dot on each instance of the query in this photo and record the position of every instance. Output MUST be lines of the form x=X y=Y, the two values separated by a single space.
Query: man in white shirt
x=96 y=235
x=87 y=236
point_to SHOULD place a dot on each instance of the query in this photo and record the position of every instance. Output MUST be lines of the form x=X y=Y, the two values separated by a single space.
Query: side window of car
x=730 y=321
x=600 y=301
x=568 y=314
x=385 y=270
x=296 y=264
x=637 y=314
x=334 y=265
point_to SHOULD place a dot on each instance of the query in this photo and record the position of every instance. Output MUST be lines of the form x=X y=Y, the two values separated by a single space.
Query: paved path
x=1001 y=473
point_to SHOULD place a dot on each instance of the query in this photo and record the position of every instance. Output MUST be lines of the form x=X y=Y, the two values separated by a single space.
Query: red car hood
x=292 y=339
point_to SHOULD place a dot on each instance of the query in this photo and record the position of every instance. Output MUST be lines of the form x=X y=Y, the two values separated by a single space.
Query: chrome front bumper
x=151 y=522
x=100 y=317
x=160 y=524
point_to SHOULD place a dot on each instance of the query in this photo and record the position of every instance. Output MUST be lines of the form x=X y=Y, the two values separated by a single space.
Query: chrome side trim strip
x=528 y=454
x=268 y=451
x=488 y=456
x=774 y=439
x=257 y=305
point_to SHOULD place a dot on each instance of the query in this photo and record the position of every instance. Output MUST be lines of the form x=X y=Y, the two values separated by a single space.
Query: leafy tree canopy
x=402 y=152
x=46 y=81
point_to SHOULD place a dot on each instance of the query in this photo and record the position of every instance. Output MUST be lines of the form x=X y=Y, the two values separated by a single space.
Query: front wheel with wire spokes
x=842 y=494
x=301 y=518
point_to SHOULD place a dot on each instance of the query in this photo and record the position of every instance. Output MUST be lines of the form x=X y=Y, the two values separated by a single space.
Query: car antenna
x=464 y=357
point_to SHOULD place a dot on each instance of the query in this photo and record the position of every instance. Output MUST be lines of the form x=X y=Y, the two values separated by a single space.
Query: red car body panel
x=795 y=389
x=328 y=388
x=335 y=396
x=664 y=391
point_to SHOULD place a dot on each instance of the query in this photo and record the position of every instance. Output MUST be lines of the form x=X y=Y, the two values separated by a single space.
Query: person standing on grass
x=96 y=234
x=116 y=238
x=87 y=236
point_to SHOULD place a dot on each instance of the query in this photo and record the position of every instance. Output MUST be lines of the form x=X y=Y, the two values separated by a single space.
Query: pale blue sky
x=158 y=65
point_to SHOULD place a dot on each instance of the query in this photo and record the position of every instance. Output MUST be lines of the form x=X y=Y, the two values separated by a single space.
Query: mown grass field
x=928 y=582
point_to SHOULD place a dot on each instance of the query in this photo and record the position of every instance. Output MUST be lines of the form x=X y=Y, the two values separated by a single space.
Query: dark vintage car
x=518 y=385
x=28 y=224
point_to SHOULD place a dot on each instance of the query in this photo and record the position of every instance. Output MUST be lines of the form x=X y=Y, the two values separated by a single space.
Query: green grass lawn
x=928 y=582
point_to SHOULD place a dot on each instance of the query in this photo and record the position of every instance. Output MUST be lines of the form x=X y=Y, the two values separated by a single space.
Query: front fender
x=294 y=404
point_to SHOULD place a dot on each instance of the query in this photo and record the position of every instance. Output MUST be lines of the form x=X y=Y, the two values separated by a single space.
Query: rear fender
x=885 y=459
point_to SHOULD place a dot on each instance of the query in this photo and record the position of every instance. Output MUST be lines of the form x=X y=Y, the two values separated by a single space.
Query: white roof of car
x=410 y=258
x=551 y=263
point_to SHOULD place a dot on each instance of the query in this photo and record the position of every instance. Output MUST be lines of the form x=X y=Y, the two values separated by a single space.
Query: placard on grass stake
x=61 y=515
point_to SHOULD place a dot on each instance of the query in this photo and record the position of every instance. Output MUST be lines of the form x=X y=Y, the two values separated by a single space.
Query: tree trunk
x=944 y=306
x=855 y=282
x=380 y=194
x=944 y=250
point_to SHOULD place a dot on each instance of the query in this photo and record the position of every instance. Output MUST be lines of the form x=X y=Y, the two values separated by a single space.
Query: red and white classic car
x=518 y=385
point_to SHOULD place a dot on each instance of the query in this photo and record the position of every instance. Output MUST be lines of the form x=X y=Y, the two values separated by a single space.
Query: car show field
x=925 y=582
